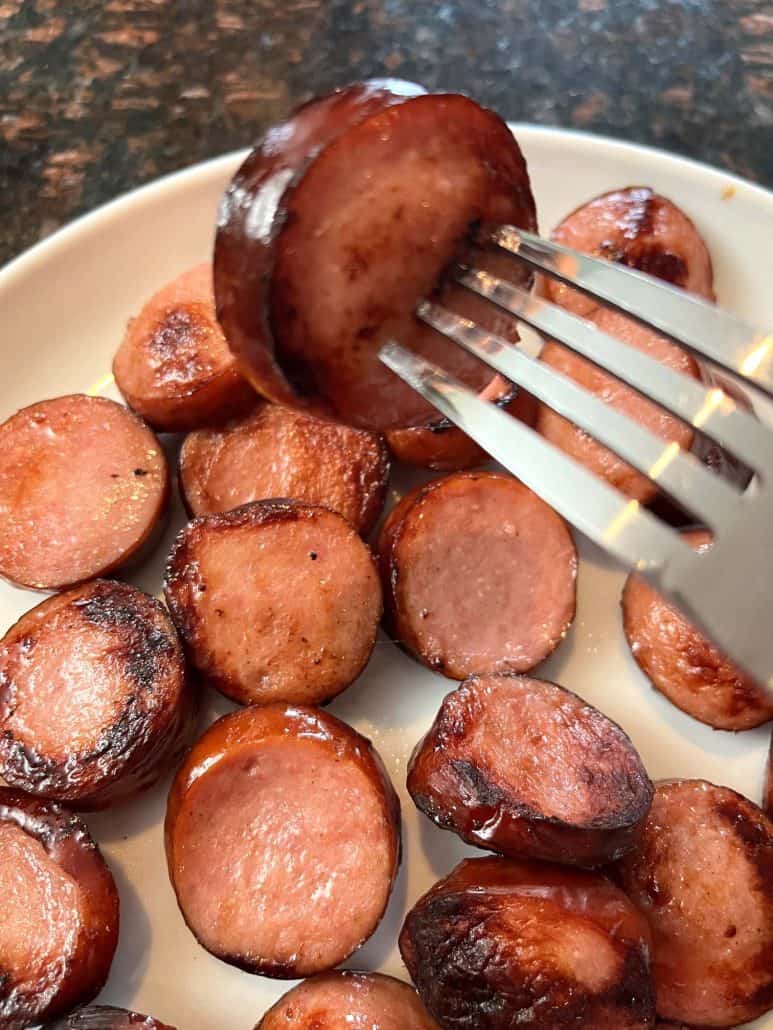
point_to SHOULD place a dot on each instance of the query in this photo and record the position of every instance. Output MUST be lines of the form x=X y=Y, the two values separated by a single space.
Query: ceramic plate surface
x=64 y=307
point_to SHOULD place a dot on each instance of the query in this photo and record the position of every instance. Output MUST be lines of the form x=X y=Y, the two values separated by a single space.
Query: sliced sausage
x=105 y=1017
x=174 y=367
x=683 y=664
x=277 y=452
x=83 y=484
x=499 y=944
x=275 y=601
x=283 y=840
x=93 y=698
x=59 y=925
x=338 y=1001
x=479 y=575
x=481 y=772
x=339 y=222
x=703 y=876
x=767 y=797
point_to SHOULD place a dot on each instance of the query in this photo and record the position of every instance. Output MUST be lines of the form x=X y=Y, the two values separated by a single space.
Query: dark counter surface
x=99 y=96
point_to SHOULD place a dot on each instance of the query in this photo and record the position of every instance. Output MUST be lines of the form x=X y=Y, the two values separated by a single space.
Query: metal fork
x=727 y=590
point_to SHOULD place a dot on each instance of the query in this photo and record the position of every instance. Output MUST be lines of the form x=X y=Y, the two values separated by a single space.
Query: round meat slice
x=59 y=925
x=500 y=943
x=683 y=665
x=83 y=484
x=703 y=876
x=277 y=452
x=283 y=840
x=93 y=698
x=481 y=772
x=275 y=601
x=767 y=797
x=346 y=1000
x=174 y=367
x=339 y=222
x=641 y=229
x=479 y=575
x=105 y=1017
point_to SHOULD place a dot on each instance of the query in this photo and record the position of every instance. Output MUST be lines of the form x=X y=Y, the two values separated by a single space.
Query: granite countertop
x=99 y=96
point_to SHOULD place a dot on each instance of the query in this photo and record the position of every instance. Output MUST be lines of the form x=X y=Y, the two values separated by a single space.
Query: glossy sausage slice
x=105 y=1017
x=277 y=452
x=283 y=840
x=275 y=601
x=499 y=944
x=683 y=665
x=59 y=925
x=479 y=575
x=703 y=876
x=83 y=483
x=767 y=797
x=481 y=772
x=174 y=367
x=339 y=222
x=346 y=1000
x=93 y=699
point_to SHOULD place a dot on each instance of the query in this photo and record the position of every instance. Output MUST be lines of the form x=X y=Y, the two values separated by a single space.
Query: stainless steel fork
x=727 y=590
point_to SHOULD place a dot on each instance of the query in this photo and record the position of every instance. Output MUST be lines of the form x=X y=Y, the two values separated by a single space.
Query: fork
x=726 y=590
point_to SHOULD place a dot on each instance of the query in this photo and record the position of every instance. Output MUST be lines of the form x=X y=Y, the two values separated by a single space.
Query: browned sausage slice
x=83 y=483
x=479 y=575
x=275 y=601
x=93 y=699
x=59 y=925
x=174 y=367
x=105 y=1017
x=683 y=665
x=339 y=222
x=481 y=771
x=282 y=838
x=344 y=1000
x=499 y=944
x=767 y=797
x=277 y=452
x=703 y=876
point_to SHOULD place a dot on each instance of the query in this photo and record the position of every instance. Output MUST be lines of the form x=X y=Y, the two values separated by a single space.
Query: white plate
x=64 y=306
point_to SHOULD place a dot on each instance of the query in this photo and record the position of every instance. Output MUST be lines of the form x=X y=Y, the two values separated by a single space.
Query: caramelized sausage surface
x=282 y=839
x=345 y=1000
x=83 y=483
x=767 y=797
x=684 y=665
x=93 y=698
x=478 y=574
x=275 y=601
x=105 y=1017
x=526 y=768
x=174 y=367
x=501 y=943
x=703 y=876
x=59 y=925
x=277 y=452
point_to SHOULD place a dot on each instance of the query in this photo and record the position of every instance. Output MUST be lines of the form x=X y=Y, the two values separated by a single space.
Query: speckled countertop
x=99 y=96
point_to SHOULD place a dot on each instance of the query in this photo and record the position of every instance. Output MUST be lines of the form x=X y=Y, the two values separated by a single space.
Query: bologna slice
x=277 y=452
x=105 y=1017
x=59 y=925
x=83 y=484
x=275 y=601
x=479 y=575
x=683 y=665
x=500 y=943
x=339 y=222
x=481 y=772
x=174 y=367
x=283 y=840
x=93 y=698
x=338 y=1001
x=703 y=876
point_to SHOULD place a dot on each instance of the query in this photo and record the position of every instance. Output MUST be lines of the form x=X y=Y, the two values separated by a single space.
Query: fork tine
x=709 y=410
x=716 y=334
x=680 y=474
x=620 y=526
